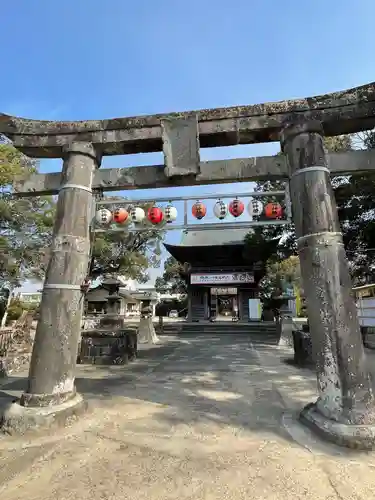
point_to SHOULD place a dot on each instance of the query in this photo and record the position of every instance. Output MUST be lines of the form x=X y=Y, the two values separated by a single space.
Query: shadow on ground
x=217 y=379
x=232 y=381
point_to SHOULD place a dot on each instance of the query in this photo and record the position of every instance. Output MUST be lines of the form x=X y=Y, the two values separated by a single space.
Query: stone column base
x=359 y=437
x=17 y=419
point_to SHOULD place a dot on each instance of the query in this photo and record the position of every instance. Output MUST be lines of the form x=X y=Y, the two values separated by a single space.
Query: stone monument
x=146 y=329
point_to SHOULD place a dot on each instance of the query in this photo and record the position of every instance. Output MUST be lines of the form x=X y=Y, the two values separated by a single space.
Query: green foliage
x=15 y=310
x=356 y=208
x=31 y=307
x=337 y=144
x=25 y=223
x=280 y=274
x=173 y=278
x=125 y=253
x=287 y=270
x=282 y=263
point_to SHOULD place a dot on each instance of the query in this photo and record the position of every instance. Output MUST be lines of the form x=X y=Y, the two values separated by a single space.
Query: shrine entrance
x=223 y=304
x=345 y=410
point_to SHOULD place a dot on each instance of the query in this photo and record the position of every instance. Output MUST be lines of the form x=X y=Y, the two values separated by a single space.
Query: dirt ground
x=208 y=417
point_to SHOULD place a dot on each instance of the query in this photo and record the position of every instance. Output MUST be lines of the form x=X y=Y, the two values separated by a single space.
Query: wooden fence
x=6 y=337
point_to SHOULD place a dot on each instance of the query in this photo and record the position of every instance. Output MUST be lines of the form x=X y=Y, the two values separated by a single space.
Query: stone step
x=219 y=328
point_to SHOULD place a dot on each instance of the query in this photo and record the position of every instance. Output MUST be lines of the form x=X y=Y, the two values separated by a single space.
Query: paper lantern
x=255 y=207
x=273 y=210
x=220 y=210
x=103 y=216
x=236 y=207
x=155 y=215
x=199 y=210
x=137 y=215
x=170 y=213
x=121 y=216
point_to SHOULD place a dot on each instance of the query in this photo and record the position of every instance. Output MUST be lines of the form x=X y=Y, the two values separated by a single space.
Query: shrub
x=15 y=310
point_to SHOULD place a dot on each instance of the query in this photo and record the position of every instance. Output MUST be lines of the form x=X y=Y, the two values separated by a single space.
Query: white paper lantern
x=255 y=207
x=103 y=216
x=137 y=214
x=220 y=210
x=170 y=213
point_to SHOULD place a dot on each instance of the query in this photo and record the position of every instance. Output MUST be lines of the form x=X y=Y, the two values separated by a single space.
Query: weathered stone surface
x=52 y=367
x=345 y=392
x=211 y=172
x=181 y=146
x=359 y=437
x=104 y=348
x=286 y=331
x=302 y=344
x=146 y=332
x=18 y=419
x=342 y=112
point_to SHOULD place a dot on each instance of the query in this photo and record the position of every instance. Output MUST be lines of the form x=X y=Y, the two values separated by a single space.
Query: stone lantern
x=112 y=319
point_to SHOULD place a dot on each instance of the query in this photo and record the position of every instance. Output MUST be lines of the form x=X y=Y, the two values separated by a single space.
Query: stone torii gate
x=345 y=410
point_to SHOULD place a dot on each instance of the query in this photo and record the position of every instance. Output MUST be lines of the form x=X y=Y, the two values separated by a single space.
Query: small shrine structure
x=108 y=341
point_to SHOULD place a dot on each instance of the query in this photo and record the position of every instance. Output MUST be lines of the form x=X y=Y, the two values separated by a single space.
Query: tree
x=25 y=223
x=338 y=144
x=15 y=309
x=173 y=278
x=126 y=253
x=281 y=274
x=356 y=207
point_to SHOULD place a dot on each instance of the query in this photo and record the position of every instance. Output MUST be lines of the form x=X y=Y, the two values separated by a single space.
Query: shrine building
x=222 y=277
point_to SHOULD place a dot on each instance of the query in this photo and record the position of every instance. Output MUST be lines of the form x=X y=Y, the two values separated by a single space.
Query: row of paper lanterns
x=168 y=214
x=136 y=215
x=237 y=208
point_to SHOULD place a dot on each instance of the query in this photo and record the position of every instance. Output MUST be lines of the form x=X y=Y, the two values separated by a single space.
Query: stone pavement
x=203 y=418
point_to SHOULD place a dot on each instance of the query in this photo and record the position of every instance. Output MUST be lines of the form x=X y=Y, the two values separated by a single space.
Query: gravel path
x=194 y=418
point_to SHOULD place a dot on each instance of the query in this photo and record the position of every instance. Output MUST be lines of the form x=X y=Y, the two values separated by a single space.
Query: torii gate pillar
x=344 y=412
x=50 y=394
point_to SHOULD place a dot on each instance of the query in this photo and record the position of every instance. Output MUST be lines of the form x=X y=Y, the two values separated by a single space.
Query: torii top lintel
x=341 y=112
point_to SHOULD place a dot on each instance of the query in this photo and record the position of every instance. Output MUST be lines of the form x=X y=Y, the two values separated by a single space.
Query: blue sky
x=89 y=59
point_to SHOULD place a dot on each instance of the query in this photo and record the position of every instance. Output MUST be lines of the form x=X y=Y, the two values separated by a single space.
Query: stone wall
x=107 y=348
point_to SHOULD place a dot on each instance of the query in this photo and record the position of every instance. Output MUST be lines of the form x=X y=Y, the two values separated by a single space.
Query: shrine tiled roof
x=214 y=237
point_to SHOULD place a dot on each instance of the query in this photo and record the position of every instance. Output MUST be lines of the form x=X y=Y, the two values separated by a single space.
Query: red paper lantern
x=273 y=210
x=155 y=215
x=199 y=210
x=236 y=207
x=120 y=216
